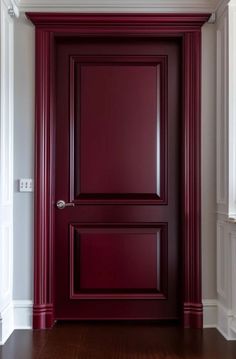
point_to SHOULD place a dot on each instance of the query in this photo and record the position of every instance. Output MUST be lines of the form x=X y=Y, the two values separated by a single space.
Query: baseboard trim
x=43 y=317
x=216 y=315
x=226 y=322
x=19 y=315
x=210 y=313
x=6 y=323
x=193 y=315
x=23 y=314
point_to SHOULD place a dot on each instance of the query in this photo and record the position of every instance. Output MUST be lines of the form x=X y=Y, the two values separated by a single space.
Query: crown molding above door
x=158 y=6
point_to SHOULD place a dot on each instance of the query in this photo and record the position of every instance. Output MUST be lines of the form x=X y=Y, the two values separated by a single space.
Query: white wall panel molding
x=216 y=315
x=222 y=260
x=12 y=7
x=6 y=323
x=6 y=170
x=226 y=168
x=232 y=110
x=118 y=5
x=233 y=280
x=222 y=215
x=222 y=114
x=17 y=315
x=226 y=110
x=226 y=284
x=226 y=322
x=221 y=8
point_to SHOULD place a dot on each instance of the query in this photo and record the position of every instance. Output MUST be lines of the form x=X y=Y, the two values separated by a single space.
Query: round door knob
x=61 y=204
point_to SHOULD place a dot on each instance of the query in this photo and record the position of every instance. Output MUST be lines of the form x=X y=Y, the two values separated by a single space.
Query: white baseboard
x=215 y=315
x=226 y=323
x=18 y=315
x=6 y=323
x=22 y=314
x=210 y=313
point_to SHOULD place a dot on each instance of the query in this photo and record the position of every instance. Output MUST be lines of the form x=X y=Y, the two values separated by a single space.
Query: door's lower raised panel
x=118 y=261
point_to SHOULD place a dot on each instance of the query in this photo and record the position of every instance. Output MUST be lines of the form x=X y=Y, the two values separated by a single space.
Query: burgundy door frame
x=187 y=27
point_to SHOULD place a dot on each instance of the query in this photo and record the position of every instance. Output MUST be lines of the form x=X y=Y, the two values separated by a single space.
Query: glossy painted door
x=117 y=162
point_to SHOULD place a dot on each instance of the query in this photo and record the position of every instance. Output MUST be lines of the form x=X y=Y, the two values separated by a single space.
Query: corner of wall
x=225 y=322
x=17 y=315
x=6 y=323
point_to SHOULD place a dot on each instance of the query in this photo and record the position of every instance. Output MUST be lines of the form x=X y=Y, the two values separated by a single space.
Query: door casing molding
x=187 y=27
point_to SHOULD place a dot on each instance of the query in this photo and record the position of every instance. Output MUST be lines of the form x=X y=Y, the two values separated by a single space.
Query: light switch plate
x=25 y=185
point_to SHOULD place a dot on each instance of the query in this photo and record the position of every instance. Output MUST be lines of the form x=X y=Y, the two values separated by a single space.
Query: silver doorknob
x=62 y=204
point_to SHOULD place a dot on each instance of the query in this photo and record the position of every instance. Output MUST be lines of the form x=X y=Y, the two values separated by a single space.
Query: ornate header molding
x=154 y=23
x=12 y=8
x=135 y=6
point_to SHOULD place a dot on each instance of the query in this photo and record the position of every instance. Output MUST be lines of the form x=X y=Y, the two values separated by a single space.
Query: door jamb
x=50 y=26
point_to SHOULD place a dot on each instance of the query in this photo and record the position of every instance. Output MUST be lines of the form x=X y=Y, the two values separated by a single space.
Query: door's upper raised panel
x=118 y=128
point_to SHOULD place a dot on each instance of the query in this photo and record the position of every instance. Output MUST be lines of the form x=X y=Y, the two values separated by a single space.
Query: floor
x=117 y=341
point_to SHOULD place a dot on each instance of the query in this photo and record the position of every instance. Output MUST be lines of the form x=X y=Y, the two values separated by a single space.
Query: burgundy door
x=117 y=161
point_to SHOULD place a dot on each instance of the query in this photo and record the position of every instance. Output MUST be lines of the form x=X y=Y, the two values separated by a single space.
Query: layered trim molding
x=12 y=7
x=226 y=110
x=160 y=6
x=135 y=6
x=6 y=170
x=226 y=273
x=232 y=108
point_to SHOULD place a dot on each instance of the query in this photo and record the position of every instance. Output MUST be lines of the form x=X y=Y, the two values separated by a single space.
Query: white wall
x=23 y=158
x=208 y=161
x=24 y=149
